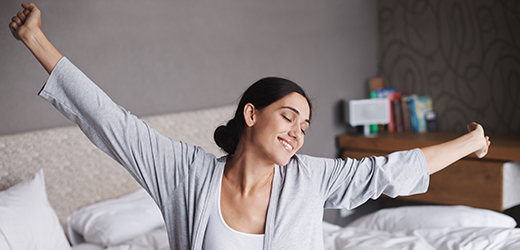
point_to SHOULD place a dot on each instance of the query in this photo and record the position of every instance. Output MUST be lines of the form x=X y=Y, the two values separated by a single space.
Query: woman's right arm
x=25 y=27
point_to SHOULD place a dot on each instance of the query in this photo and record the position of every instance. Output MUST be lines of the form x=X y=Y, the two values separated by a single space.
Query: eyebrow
x=297 y=112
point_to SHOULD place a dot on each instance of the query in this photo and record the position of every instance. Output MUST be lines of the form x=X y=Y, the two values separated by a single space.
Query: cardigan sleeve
x=350 y=183
x=157 y=162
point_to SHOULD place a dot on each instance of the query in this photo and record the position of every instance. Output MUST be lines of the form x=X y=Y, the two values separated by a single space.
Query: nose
x=296 y=132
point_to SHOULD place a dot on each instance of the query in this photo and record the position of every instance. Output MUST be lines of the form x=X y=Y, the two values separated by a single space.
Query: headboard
x=77 y=173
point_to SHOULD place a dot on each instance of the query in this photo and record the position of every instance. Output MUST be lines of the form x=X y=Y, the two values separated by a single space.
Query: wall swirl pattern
x=465 y=54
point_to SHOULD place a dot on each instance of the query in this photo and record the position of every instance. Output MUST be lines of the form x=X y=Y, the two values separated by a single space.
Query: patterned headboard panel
x=77 y=173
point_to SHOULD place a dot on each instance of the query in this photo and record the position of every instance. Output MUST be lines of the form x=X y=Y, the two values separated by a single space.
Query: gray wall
x=464 y=54
x=156 y=57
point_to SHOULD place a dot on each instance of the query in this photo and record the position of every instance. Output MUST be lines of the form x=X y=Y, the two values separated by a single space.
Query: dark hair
x=261 y=94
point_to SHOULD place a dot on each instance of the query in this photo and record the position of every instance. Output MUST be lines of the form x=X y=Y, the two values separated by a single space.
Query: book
x=423 y=104
x=394 y=119
x=398 y=113
x=388 y=93
x=413 y=113
x=410 y=106
x=407 y=123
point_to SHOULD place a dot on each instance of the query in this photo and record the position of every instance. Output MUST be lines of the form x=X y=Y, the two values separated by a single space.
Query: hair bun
x=226 y=138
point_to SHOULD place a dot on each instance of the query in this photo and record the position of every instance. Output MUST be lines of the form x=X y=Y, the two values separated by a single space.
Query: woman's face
x=279 y=129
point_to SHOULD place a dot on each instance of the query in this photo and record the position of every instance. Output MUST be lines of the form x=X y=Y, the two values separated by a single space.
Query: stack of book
x=408 y=113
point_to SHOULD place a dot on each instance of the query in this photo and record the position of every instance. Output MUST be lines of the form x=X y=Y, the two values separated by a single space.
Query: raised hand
x=25 y=27
x=25 y=21
x=484 y=142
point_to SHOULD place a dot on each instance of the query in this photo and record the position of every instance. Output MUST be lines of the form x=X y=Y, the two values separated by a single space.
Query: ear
x=249 y=114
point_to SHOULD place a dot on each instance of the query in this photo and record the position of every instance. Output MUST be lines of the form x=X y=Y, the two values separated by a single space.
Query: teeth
x=286 y=144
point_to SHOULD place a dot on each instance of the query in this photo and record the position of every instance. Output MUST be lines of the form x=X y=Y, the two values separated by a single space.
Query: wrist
x=42 y=48
x=467 y=144
x=30 y=36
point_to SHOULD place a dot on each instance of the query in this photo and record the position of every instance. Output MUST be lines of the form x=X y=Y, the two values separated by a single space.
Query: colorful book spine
x=407 y=124
x=389 y=94
x=423 y=104
x=410 y=103
x=398 y=112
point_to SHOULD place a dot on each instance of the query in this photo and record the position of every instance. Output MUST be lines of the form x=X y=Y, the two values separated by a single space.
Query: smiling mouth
x=286 y=145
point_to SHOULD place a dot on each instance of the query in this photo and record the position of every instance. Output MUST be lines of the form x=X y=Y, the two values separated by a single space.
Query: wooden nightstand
x=470 y=181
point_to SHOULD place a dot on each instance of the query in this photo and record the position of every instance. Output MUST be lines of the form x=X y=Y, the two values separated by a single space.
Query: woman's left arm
x=442 y=155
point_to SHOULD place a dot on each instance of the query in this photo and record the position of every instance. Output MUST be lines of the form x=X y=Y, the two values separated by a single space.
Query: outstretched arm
x=157 y=162
x=442 y=155
x=25 y=27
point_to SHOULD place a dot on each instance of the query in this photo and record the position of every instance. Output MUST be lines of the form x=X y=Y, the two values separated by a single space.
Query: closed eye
x=289 y=120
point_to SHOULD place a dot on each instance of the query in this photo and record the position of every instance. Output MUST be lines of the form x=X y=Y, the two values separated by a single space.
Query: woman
x=262 y=195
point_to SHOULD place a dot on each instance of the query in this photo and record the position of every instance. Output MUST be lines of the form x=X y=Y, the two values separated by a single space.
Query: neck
x=247 y=173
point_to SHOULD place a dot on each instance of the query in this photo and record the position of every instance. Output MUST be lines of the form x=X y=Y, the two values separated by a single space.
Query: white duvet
x=336 y=237
x=156 y=240
x=345 y=238
x=153 y=240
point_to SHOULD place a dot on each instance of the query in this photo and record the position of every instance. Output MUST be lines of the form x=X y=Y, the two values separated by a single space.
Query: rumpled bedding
x=156 y=239
x=346 y=238
x=338 y=238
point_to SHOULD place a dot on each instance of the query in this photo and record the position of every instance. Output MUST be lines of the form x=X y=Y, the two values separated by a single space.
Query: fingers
x=29 y=6
x=20 y=18
x=21 y=15
x=30 y=10
x=17 y=21
x=13 y=27
x=30 y=14
x=483 y=152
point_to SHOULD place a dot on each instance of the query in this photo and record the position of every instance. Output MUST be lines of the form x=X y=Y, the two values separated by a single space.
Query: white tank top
x=219 y=236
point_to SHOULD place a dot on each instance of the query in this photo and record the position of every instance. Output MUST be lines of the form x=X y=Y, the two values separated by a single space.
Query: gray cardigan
x=182 y=179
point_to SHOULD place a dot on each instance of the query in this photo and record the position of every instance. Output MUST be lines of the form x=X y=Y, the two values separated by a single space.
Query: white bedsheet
x=436 y=238
x=346 y=238
x=156 y=240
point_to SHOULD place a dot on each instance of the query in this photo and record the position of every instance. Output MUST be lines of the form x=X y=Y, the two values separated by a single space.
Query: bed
x=57 y=189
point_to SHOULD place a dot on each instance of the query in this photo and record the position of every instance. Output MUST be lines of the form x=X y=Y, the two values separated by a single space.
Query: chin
x=283 y=162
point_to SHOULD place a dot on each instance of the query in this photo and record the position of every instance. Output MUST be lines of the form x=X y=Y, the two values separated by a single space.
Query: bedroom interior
x=463 y=54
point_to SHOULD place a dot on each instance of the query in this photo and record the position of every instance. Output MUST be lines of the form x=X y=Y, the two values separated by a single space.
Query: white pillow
x=112 y=222
x=27 y=220
x=417 y=217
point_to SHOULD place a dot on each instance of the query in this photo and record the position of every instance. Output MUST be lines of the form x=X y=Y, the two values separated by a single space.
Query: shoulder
x=312 y=164
x=313 y=161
